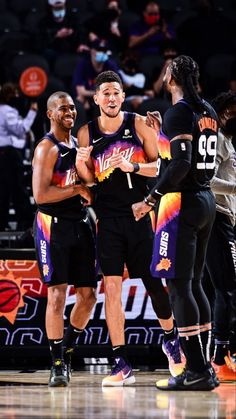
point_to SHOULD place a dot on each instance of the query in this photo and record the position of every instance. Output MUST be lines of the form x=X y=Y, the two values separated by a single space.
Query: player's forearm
x=223 y=187
x=85 y=174
x=173 y=175
x=147 y=169
x=55 y=194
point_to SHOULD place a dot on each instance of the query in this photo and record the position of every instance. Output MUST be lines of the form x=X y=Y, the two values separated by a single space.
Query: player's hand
x=117 y=160
x=140 y=209
x=83 y=154
x=85 y=193
x=154 y=120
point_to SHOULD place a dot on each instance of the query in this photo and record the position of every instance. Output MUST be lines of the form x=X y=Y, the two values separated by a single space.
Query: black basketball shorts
x=65 y=251
x=183 y=228
x=122 y=240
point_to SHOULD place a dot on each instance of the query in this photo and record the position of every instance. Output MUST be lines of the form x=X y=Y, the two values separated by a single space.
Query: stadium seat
x=3 y=6
x=9 y=22
x=22 y=7
x=217 y=73
x=24 y=60
x=64 y=68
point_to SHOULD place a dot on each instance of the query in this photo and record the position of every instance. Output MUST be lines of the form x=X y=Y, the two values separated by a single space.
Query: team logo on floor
x=11 y=297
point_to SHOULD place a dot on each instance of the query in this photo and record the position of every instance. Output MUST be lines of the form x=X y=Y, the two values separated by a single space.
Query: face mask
x=152 y=19
x=230 y=126
x=101 y=57
x=59 y=14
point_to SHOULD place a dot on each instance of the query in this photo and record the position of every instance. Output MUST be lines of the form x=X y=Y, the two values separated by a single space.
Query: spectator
x=134 y=81
x=87 y=70
x=147 y=35
x=59 y=31
x=221 y=263
x=13 y=133
x=105 y=25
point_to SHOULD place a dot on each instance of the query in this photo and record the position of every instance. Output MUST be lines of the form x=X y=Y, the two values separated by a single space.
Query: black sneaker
x=213 y=374
x=67 y=358
x=188 y=381
x=58 y=376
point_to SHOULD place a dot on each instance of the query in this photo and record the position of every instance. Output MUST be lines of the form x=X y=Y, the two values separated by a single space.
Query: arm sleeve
x=179 y=166
x=178 y=120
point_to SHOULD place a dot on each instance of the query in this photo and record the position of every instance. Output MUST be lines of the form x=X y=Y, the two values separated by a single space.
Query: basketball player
x=221 y=252
x=119 y=152
x=185 y=216
x=63 y=238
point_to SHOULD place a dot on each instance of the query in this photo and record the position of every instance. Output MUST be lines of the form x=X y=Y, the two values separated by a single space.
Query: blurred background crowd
x=74 y=40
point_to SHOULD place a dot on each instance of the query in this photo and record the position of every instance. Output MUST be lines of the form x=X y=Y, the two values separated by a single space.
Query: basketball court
x=27 y=395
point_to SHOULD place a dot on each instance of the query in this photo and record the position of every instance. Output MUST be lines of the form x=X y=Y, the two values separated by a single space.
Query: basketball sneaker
x=121 y=374
x=188 y=381
x=213 y=374
x=175 y=355
x=227 y=371
x=58 y=376
x=67 y=359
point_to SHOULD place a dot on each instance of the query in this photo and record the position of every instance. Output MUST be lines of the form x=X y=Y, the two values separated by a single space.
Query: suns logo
x=164 y=263
x=11 y=297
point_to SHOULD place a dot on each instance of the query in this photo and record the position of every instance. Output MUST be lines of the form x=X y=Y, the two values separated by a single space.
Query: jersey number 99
x=206 y=152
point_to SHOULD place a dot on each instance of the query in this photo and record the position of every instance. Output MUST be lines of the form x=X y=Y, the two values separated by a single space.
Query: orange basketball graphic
x=9 y=295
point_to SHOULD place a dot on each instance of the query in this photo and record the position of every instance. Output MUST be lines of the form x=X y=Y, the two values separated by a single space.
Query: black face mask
x=230 y=126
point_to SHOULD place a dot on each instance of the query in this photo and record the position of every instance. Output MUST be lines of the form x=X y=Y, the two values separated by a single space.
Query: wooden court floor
x=27 y=395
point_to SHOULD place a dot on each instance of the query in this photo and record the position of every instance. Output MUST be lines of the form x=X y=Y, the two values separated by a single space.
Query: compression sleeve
x=179 y=166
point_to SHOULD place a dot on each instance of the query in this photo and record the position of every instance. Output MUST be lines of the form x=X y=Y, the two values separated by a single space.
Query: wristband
x=150 y=201
x=136 y=167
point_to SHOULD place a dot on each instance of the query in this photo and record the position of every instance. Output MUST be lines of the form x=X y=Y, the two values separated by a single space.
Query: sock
x=220 y=351
x=192 y=348
x=70 y=337
x=206 y=344
x=120 y=352
x=169 y=335
x=56 y=349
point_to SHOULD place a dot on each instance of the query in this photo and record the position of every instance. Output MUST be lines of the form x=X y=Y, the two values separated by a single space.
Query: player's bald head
x=51 y=103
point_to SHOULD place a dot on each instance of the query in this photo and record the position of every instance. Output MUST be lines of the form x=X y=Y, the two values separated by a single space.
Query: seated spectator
x=87 y=70
x=134 y=81
x=13 y=132
x=147 y=35
x=59 y=31
x=105 y=25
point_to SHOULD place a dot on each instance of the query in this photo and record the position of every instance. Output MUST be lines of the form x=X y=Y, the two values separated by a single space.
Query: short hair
x=8 y=91
x=223 y=100
x=107 y=77
x=55 y=96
